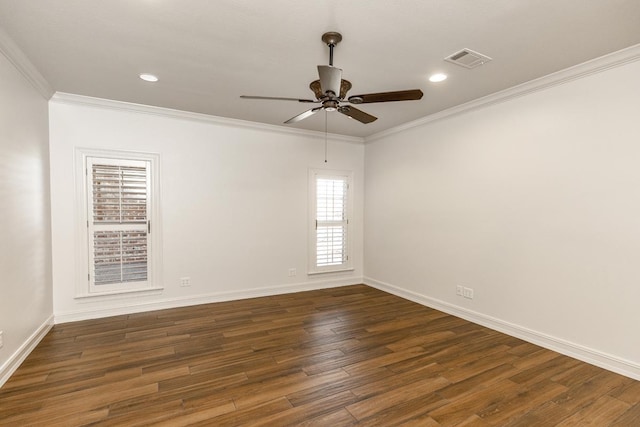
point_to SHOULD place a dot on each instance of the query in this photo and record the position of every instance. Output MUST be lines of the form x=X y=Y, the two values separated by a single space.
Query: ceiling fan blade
x=330 y=79
x=303 y=116
x=276 y=98
x=359 y=115
x=401 y=95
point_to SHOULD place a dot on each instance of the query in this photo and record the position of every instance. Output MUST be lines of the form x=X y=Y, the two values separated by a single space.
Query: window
x=120 y=238
x=330 y=206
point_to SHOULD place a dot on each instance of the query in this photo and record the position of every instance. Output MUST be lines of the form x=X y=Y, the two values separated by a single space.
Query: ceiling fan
x=331 y=91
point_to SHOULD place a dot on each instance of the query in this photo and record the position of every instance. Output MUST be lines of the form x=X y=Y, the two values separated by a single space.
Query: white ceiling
x=207 y=53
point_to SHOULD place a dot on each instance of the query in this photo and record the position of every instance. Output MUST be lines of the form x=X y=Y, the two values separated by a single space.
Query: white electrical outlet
x=185 y=282
x=459 y=291
x=1 y=338
x=467 y=293
x=292 y=272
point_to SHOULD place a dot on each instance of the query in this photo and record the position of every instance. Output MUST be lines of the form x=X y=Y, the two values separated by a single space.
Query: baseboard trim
x=139 y=307
x=577 y=351
x=16 y=359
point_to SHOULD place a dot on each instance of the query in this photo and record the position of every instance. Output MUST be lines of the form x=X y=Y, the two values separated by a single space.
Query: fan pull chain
x=325 y=135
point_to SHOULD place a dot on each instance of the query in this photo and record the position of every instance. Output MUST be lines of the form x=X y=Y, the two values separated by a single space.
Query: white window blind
x=118 y=223
x=331 y=217
x=330 y=228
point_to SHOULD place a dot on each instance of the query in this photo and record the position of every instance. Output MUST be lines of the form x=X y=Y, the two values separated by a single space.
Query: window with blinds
x=330 y=200
x=118 y=223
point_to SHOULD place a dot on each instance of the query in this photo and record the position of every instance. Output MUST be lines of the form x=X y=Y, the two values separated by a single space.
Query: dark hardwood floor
x=335 y=357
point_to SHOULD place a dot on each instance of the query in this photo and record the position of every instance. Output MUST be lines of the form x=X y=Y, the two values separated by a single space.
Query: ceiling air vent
x=467 y=58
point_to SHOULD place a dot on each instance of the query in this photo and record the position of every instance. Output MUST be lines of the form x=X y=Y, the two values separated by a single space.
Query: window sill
x=116 y=294
x=339 y=270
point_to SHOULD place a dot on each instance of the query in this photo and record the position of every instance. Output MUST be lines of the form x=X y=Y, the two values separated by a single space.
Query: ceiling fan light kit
x=330 y=90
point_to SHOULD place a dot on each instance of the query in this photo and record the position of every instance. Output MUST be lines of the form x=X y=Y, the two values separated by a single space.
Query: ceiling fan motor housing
x=345 y=86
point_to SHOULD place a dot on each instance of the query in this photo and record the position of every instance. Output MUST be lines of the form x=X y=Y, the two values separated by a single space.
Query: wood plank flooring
x=336 y=357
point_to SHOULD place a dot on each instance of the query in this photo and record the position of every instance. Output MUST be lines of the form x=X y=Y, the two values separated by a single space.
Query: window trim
x=312 y=267
x=84 y=289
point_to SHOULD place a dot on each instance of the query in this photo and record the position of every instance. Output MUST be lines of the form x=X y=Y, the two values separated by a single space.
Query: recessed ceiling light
x=438 y=77
x=148 y=77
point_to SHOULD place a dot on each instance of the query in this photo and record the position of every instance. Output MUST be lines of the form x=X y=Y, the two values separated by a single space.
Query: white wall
x=234 y=204
x=533 y=202
x=25 y=248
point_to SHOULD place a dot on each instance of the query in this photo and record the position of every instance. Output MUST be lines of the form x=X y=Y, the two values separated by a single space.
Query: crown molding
x=594 y=66
x=25 y=67
x=69 y=98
